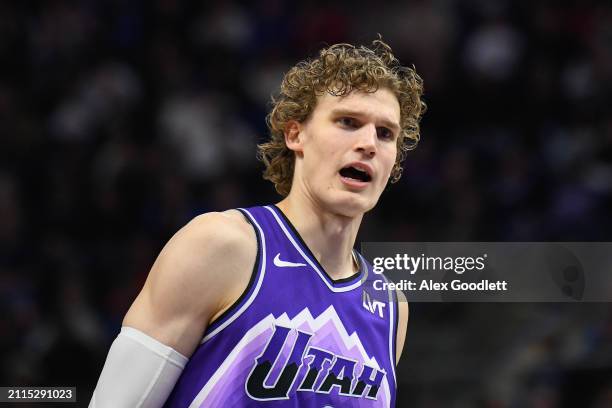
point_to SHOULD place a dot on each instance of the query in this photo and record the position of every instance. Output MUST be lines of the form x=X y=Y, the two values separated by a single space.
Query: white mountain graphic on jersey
x=227 y=385
x=328 y=320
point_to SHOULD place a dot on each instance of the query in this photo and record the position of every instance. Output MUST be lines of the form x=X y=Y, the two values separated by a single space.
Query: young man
x=264 y=306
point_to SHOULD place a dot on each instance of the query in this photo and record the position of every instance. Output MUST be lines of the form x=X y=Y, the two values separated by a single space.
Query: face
x=346 y=150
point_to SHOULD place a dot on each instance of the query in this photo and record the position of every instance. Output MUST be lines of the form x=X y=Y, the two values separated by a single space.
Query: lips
x=359 y=172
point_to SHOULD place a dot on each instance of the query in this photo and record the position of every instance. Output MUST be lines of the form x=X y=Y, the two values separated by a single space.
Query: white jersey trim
x=392 y=331
x=262 y=271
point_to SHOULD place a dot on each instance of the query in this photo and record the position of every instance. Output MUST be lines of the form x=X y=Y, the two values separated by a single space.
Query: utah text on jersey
x=325 y=370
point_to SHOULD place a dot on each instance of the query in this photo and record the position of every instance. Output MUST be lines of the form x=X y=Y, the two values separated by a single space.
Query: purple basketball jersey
x=295 y=338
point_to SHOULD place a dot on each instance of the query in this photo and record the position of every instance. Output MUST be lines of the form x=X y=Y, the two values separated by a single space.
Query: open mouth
x=355 y=174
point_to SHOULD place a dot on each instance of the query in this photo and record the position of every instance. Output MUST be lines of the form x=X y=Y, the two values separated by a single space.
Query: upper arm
x=199 y=272
x=402 y=323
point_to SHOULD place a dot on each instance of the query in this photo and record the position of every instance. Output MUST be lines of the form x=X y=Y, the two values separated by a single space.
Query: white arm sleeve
x=139 y=372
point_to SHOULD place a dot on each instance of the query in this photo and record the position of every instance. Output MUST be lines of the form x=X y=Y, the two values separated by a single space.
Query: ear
x=293 y=136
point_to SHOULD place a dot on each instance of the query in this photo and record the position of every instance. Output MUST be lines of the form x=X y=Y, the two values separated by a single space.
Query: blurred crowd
x=121 y=120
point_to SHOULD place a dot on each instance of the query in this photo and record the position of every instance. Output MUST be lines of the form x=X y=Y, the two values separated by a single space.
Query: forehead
x=380 y=105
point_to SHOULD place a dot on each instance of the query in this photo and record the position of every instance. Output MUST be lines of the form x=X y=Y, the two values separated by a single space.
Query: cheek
x=389 y=159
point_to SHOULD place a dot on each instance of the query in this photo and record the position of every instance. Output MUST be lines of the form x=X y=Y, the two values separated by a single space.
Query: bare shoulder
x=403 y=312
x=202 y=269
x=401 y=297
x=232 y=222
x=220 y=229
x=210 y=250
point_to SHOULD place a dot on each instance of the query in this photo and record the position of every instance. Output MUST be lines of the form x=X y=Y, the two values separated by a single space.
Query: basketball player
x=264 y=306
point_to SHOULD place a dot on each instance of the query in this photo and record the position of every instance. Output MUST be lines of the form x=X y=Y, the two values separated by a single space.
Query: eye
x=348 y=122
x=385 y=133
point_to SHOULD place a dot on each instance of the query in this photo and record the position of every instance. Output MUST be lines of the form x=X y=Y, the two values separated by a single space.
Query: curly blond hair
x=339 y=70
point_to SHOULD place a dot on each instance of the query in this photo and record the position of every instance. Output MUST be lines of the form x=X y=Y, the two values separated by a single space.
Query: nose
x=366 y=142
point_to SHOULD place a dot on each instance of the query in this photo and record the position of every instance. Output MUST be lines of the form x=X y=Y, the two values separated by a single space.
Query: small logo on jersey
x=373 y=306
x=284 y=264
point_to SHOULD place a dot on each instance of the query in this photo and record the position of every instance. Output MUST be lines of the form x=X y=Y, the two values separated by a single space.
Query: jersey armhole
x=234 y=310
x=395 y=323
x=393 y=329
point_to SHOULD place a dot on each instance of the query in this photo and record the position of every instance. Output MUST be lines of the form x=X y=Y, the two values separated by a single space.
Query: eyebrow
x=348 y=112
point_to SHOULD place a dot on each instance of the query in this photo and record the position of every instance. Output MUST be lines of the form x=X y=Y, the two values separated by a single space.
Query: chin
x=351 y=204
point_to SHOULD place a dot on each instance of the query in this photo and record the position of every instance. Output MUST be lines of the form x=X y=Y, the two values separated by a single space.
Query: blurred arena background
x=121 y=120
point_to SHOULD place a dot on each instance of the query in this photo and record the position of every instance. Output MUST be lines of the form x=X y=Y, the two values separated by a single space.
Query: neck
x=329 y=236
